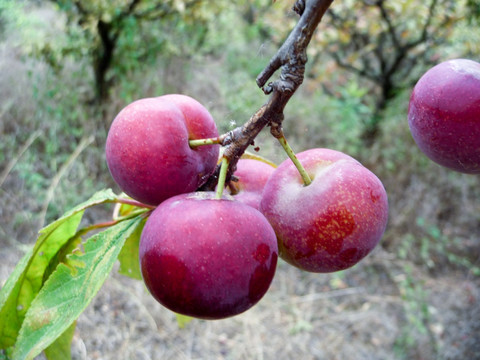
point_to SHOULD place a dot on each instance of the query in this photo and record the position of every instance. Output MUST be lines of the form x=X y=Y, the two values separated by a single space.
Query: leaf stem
x=109 y=223
x=221 y=177
x=201 y=142
x=303 y=173
x=133 y=203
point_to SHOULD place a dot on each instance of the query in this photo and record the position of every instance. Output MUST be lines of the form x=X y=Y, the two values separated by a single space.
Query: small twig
x=11 y=164
x=390 y=26
x=64 y=168
x=291 y=58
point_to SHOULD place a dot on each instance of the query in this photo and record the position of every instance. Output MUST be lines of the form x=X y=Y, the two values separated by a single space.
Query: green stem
x=306 y=178
x=221 y=177
x=200 y=142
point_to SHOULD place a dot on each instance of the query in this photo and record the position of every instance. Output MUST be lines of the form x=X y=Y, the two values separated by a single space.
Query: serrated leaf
x=67 y=292
x=61 y=348
x=128 y=257
x=27 y=278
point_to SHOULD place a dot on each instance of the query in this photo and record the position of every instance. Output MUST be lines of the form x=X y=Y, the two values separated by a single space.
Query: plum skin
x=331 y=224
x=147 y=149
x=444 y=115
x=207 y=258
x=252 y=176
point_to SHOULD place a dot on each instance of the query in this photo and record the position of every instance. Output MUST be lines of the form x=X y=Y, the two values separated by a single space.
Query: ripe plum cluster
x=213 y=256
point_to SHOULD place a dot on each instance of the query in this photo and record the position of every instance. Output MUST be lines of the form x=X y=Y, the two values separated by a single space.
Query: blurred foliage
x=385 y=44
x=417 y=316
x=473 y=13
x=122 y=36
x=388 y=43
x=434 y=247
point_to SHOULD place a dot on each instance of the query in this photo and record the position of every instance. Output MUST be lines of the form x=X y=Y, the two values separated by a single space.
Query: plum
x=148 y=152
x=205 y=257
x=252 y=176
x=444 y=115
x=332 y=223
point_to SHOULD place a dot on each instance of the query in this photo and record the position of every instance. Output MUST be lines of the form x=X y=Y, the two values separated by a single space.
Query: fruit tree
x=205 y=220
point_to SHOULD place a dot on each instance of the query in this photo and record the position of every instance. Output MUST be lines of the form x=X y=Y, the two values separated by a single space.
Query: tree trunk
x=102 y=61
x=372 y=130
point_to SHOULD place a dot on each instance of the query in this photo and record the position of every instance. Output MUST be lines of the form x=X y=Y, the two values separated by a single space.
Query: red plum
x=332 y=223
x=147 y=148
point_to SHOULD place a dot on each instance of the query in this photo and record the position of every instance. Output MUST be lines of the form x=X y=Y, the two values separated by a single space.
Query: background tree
x=386 y=43
x=118 y=36
x=474 y=10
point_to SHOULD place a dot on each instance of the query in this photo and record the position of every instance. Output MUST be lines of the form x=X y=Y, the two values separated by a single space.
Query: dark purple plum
x=444 y=115
x=207 y=258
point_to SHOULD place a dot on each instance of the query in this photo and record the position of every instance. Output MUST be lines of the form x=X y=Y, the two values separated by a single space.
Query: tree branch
x=391 y=28
x=291 y=58
x=424 y=33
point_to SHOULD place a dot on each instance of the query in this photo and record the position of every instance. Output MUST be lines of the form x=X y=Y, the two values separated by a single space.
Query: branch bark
x=291 y=59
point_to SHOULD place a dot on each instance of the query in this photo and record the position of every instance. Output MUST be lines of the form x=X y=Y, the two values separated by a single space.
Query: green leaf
x=183 y=320
x=61 y=256
x=61 y=348
x=128 y=257
x=9 y=319
x=69 y=290
x=27 y=278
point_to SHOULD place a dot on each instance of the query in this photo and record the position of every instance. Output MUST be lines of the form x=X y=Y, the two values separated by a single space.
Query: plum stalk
x=222 y=177
x=134 y=203
x=200 y=142
x=291 y=59
x=291 y=154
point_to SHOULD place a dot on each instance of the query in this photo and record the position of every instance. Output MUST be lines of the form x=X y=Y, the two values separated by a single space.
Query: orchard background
x=68 y=67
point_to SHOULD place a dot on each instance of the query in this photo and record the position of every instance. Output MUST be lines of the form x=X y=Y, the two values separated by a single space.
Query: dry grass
x=307 y=316
x=358 y=314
